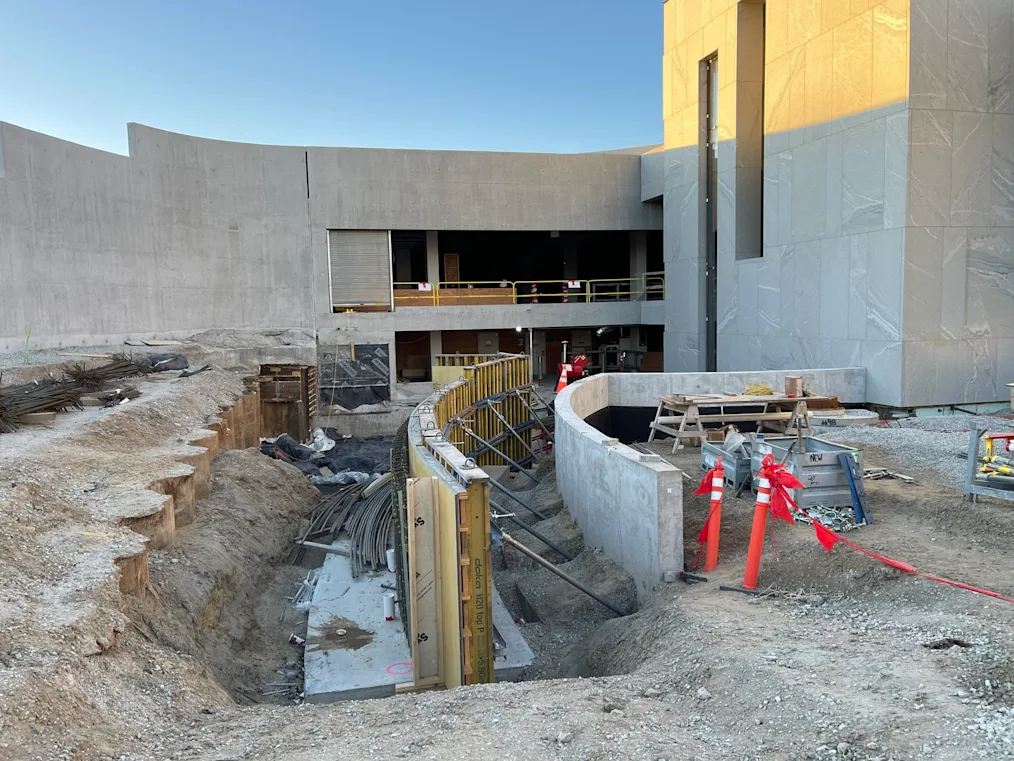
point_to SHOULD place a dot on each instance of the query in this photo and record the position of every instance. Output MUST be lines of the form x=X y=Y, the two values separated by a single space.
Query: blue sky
x=527 y=75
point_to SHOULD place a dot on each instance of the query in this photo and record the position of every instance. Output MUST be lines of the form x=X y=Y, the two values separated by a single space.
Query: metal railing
x=649 y=286
x=461 y=360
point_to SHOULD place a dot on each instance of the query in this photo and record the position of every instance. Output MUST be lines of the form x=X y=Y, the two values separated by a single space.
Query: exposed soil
x=222 y=586
x=835 y=665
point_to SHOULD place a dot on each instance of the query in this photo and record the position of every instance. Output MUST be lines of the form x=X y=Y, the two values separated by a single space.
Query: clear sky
x=522 y=75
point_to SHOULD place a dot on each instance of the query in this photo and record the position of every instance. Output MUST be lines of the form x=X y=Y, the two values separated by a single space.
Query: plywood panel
x=424 y=580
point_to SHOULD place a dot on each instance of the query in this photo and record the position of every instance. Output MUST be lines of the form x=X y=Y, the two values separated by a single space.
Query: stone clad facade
x=880 y=233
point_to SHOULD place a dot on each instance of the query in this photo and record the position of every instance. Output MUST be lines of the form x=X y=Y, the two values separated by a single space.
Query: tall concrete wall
x=187 y=234
x=643 y=389
x=631 y=509
x=958 y=313
x=828 y=289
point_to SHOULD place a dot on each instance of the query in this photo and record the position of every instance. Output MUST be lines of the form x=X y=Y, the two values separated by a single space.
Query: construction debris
x=875 y=474
x=52 y=395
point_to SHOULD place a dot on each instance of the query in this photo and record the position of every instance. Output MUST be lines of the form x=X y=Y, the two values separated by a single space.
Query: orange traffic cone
x=756 y=546
x=562 y=383
x=715 y=517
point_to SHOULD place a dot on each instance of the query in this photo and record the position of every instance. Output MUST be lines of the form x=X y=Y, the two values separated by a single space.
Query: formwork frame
x=460 y=561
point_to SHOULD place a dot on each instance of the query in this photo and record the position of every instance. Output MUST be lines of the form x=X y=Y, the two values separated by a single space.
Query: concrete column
x=436 y=345
x=638 y=261
x=432 y=257
x=393 y=368
x=539 y=353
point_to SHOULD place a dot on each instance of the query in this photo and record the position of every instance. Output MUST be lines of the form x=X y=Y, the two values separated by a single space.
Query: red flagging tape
x=829 y=539
x=780 y=502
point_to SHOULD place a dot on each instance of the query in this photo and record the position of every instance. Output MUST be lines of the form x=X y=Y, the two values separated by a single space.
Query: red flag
x=703 y=536
x=825 y=535
x=705 y=487
x=781 y=480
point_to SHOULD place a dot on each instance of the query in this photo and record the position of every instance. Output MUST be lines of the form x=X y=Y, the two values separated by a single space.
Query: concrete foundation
x=631 y=504
x=372 y=657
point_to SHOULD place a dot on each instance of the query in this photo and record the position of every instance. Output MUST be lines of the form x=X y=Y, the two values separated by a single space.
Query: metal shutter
x=360 y=267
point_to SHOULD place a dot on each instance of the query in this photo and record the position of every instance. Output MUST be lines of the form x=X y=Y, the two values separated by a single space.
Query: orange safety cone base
x=562 y=383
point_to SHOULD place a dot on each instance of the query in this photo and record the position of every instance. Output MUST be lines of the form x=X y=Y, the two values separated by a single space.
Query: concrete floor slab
x=372 y=656
x=352 y=653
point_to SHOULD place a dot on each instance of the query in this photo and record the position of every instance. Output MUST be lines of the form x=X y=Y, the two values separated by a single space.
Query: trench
x=217 y=578
x=220 y=591
x=556 y=619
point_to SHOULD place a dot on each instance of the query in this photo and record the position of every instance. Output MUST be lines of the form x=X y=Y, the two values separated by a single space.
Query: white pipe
x=388 y=606
x=390 y=561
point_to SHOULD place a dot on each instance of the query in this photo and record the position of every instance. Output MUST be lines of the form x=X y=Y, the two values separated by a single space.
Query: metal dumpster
x=817 y=468
x=737 y=466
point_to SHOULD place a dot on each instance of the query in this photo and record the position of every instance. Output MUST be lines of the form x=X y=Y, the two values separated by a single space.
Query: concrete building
x=186 y=234
x=834 y=190
x=837 y=189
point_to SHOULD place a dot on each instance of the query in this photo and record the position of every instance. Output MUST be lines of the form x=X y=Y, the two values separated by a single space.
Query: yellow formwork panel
x=461 y=511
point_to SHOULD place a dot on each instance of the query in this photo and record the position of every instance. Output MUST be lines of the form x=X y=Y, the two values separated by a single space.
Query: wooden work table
x=690 y=412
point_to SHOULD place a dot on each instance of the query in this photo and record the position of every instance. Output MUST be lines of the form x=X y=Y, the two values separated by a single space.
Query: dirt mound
x=249 y=339
x=562 y=530
x=557 y=601
x=543 y=496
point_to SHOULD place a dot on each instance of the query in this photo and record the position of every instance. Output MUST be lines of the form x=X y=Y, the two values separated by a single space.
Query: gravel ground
x=52 y=356
x=209 y=339
x=926 y=447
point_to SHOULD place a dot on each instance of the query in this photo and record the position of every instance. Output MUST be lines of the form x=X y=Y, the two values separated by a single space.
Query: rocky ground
x=833 y=664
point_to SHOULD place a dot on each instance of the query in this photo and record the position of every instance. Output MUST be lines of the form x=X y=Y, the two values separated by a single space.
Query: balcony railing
x=650 y=286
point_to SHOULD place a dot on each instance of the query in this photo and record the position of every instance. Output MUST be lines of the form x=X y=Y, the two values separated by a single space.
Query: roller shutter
x=360 y=262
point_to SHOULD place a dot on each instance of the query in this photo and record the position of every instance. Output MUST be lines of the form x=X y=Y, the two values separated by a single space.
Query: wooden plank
x=706 y=400
x=480 y=622
x=424 y=581
x=89 y=356
x=37 y=418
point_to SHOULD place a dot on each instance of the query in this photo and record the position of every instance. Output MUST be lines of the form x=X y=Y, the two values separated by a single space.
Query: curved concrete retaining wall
x=628 y=503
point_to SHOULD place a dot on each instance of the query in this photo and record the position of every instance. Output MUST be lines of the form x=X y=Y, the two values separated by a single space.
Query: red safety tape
x=704 y=488
x=781 y=480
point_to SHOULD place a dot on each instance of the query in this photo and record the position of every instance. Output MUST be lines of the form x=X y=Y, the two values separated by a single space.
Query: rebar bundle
x=51 y=395
x=365 y=513
x=24 y=399
x=370 y=529
x=94 y=378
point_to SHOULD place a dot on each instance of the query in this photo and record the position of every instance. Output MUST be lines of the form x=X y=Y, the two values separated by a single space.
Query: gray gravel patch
x=928 y=446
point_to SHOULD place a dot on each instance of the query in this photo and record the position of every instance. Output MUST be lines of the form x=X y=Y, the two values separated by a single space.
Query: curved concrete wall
x=187 y=234
x=631 y=504
x=627 y=503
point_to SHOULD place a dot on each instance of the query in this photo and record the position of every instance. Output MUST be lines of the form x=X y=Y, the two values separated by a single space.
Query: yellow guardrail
x=650 y=285
x=461 y=360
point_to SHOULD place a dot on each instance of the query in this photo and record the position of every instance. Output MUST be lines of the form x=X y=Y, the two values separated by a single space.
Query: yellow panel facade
x=667 y=86
x=890 y=52
x=804 y=21
x=818 y=84
x=853 y=66
x=776 y=24
x=834 y=12
x=678 y=78
x=825 y=60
